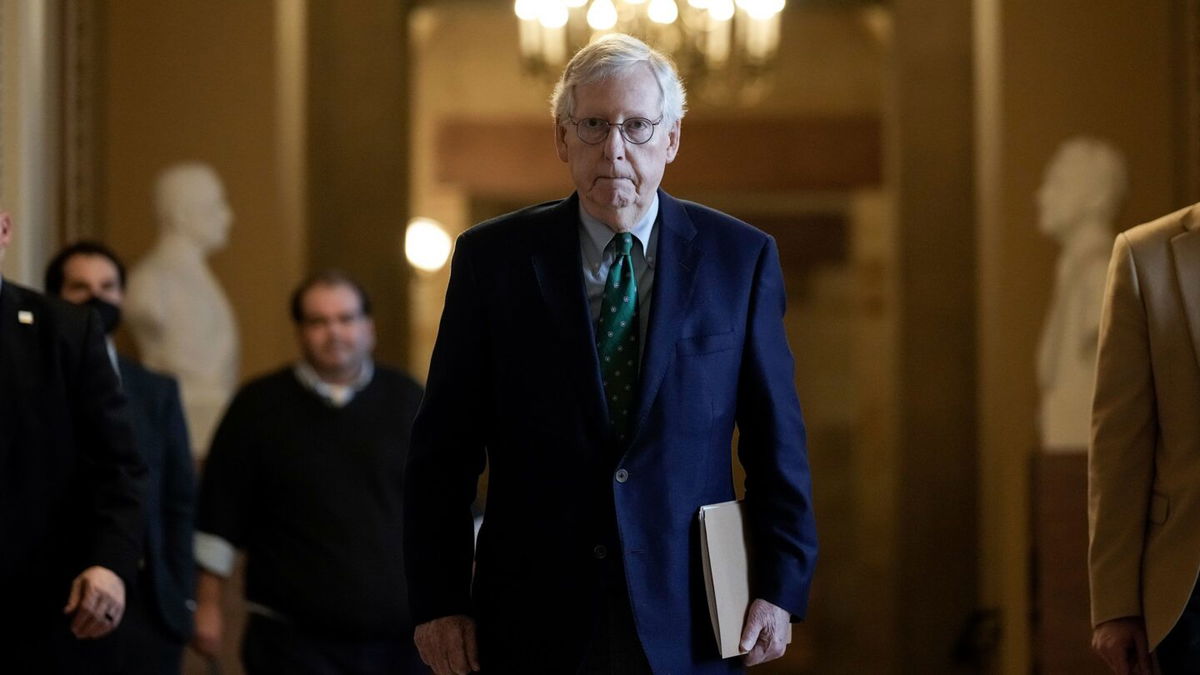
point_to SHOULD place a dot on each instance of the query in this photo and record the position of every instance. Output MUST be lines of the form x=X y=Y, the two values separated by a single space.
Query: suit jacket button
x=601 y=552
x=622 y=475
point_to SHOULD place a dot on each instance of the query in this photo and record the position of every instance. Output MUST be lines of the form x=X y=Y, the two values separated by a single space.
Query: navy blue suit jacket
x=160 y=433
x=515 y=379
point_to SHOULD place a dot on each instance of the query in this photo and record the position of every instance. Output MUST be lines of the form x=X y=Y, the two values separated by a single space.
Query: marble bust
x=1080 y=195
x=175 y=308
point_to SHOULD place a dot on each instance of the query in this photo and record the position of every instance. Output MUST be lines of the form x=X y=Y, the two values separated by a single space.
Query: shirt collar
x=336 y=395
x=112 y=356
x=599 y=234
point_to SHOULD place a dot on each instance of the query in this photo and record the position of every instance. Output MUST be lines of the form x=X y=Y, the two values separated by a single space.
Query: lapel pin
x=25 y=317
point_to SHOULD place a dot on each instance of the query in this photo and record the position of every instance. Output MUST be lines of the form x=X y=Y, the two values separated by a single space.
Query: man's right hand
x=209 y=627
x=1123 y=646
x=447 y=645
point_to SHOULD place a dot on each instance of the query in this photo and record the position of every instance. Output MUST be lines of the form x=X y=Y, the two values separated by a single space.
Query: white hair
x=611 y=55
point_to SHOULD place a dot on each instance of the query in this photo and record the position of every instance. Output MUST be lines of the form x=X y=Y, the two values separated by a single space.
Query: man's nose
x=614 y=143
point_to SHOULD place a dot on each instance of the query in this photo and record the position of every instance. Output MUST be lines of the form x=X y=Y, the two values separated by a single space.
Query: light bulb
x=554 y=14
x=761 y=9
x=721 y=10
x=663 y=11
x=426 y=244
x=602 y=15
x=526 y=10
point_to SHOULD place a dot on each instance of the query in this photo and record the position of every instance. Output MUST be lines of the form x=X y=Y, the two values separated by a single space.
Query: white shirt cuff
x=214 y=554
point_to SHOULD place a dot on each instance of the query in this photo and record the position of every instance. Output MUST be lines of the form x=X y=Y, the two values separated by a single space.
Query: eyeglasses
x=593 y=130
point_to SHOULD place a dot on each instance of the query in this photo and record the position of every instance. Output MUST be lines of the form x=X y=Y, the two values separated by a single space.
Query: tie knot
x=624 y=243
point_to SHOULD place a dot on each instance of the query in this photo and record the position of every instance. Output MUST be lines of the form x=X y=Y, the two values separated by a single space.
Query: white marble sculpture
x=175 y=308
x=1082 y=191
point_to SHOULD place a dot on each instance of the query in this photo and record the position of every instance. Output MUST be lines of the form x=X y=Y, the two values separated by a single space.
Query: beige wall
x=929 y=123
x=197 y=80
x=357 y=157
x=1046 y=71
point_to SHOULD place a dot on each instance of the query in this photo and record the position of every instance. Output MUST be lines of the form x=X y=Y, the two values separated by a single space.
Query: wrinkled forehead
x=632 y=87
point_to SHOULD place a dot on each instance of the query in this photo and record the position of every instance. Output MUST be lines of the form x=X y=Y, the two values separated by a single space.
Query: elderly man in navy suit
x=158 y=618
x=71 y=485
x=597 y=353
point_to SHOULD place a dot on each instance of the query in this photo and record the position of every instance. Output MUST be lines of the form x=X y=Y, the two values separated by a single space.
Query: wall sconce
x=426 y=244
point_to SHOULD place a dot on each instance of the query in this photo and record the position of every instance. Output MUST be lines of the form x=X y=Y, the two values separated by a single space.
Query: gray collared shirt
x=336 y=395
x=595 y=243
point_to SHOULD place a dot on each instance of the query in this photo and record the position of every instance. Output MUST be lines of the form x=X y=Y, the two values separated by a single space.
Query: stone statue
x=175 y=308
x=1082 y=191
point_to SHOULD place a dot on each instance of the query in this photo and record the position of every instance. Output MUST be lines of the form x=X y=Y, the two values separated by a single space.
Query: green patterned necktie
x=617 y=339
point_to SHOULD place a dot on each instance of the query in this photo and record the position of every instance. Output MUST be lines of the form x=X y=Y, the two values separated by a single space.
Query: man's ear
x=371 y=334
x=6 y=226
x=560 y=140
x=673 y=135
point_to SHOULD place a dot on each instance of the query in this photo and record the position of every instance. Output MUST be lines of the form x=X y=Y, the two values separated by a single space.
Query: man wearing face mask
x=158 y=616
x=71 y=486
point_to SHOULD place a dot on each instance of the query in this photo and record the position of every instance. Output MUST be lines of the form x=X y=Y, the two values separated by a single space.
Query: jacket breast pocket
x=707 y=344
x=1160 y=508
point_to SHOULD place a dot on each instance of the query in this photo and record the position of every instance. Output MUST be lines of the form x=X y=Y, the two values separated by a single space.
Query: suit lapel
x=674 y=280
x=18 y=354
x=1185 y=250
x=558 y=265
x=8 y=319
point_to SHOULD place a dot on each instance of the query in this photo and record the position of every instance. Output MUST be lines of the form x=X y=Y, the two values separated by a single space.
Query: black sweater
x=312 y=494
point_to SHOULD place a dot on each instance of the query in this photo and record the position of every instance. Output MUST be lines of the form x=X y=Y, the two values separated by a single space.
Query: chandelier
x=724 y=49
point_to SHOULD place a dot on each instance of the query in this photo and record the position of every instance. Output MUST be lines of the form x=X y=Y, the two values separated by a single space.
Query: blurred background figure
x=159 y=605
x=305 y=477
x=71 y=486
x=177 y=311
x=1078 y=202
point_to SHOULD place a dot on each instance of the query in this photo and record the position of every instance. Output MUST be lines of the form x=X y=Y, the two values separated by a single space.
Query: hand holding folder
x=725 y=553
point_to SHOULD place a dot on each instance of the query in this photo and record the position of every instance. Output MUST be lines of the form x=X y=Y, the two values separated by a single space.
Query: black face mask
x=110 y=314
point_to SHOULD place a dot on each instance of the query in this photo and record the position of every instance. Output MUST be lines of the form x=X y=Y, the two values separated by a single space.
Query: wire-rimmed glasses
x=594 y=130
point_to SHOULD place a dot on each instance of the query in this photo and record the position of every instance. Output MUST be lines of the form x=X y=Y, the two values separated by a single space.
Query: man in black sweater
x=305 y=476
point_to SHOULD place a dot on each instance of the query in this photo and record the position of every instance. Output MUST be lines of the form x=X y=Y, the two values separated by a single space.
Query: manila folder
x=725 y=556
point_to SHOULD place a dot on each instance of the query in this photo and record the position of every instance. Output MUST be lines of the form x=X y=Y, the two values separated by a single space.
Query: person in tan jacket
x=1144 y=457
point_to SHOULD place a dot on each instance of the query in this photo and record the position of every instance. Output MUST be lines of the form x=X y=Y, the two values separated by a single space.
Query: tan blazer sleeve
x=1121 y=453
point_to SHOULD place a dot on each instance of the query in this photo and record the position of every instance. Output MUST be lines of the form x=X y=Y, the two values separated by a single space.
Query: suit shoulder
x=727 y=230
x=1159 y=231
x=56 y=321
x=516 y=225
x=709 y=217
x=153 y=378
x=267 y=386
x=59 y=312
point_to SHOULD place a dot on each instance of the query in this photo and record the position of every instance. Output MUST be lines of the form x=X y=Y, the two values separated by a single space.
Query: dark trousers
x=1179 y=652
x=274 y=647
x=615 y=648
x=145 y=645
